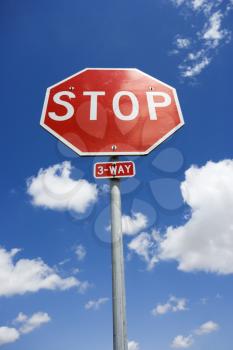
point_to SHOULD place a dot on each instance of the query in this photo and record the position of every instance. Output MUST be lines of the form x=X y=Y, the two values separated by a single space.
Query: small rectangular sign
x=114 y=169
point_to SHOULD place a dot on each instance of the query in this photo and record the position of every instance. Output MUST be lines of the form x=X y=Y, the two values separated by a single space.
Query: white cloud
x=83 y=286
x=213 y=33
x=20 y=318
x=145 y=245
x=96 y=304
x=8 y=335
x=182 y=43
x=133 y=345
x=206 y=328
x=198 y=3
x=63 y=262
x=174 y=304
x=205 y=39
x=178 y=304
x=192 y=70
x=80 y=252
x=131 y=225
x=205 y=241
x=30 y=275
x=161 y=309
x=193 y=56
x=195 y=5
x=53 y=188
x=29 y=324
x=181 y=342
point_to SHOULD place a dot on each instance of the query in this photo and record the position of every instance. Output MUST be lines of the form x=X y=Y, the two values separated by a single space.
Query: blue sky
x=55 y=263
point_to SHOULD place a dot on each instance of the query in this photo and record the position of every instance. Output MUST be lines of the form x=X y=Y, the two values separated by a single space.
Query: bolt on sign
x=111 y=112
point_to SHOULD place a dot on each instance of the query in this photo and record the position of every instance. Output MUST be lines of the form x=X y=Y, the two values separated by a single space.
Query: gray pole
x=118 y=279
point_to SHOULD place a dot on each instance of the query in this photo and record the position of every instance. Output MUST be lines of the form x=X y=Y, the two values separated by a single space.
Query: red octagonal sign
x=111 y=112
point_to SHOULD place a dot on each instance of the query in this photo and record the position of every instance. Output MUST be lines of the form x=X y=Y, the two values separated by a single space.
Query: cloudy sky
x=55 y=262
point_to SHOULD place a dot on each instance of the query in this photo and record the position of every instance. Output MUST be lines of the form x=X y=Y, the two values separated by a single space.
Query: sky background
x=55 y=257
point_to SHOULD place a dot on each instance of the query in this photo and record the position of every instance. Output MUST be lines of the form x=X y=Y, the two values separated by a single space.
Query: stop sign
x=111 y=112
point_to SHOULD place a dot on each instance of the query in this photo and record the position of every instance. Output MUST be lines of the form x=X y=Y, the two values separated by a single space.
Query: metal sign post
x=120 y=341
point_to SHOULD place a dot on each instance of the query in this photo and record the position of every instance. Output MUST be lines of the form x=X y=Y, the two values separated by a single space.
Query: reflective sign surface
x=111 y=111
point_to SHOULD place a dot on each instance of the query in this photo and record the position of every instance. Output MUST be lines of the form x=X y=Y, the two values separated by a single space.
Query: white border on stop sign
x=133 y=153
x=114 y=177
